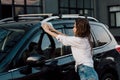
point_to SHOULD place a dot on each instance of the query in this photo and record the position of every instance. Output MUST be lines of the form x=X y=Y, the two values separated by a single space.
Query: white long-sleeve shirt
x=80 y=47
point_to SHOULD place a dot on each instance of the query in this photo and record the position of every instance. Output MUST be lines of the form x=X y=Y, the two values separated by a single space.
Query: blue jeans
x=87 y=73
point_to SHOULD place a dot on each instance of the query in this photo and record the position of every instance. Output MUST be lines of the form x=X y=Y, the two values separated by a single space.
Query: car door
x=46 y=46
x=22 y=70
x=6 y=76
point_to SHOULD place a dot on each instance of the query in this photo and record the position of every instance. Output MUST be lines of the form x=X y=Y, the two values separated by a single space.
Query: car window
x=28 y=48
x=3 y=34
x=41 y=44
x=69 y=29
x=47 y=46
x=8 y=39
x=58 y=46
x=61 y=49
x=45 y=42
x=100 y=34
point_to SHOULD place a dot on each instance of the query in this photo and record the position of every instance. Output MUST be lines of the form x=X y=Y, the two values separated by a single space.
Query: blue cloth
x=87 y=73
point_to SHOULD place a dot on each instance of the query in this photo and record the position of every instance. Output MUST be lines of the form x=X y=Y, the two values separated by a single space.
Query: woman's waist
x=90 y=63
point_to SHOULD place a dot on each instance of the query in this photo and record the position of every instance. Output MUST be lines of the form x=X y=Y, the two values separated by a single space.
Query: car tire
x=109 y=76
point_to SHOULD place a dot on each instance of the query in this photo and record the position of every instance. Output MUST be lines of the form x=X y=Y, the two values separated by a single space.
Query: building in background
x=16 y=7
x=106 y=11
x=11 y=8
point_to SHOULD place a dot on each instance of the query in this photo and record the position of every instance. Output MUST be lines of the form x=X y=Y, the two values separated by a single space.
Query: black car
x=28 y=53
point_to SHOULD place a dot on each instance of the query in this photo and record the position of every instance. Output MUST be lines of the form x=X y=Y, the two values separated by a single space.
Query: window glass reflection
x=98 y=32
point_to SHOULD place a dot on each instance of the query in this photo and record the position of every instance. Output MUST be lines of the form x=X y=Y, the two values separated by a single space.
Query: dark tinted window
x=8 y=40
x=28 y=48
x=61 y=49
x=58 y=45
x=47 y=46
x=3 y=34
x=69 y=29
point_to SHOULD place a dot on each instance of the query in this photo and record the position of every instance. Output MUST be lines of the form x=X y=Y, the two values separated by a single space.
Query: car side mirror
x=35 y=60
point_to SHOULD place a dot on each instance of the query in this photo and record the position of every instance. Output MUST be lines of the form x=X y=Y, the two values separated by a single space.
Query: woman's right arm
x=56 y=31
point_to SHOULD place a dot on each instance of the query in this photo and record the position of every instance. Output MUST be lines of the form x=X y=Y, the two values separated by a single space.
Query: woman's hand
x=45 y=26
x=49 y=29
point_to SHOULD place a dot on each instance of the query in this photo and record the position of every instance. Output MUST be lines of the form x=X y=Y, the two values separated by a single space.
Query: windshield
x=8 y=39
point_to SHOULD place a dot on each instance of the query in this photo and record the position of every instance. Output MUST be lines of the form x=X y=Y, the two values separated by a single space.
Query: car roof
x=69 y=16
x=45 y=17
x=28 y=20
x=25 y=25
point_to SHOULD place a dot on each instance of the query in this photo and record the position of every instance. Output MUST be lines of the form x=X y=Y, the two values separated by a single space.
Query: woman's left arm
x=50 y=30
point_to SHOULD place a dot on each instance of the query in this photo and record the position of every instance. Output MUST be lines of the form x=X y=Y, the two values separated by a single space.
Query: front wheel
x=109 y=76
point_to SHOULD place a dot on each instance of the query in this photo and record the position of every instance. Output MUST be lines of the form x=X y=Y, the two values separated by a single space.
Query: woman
x=80 y=45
